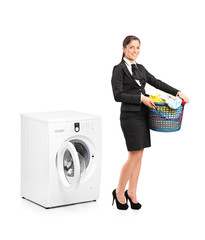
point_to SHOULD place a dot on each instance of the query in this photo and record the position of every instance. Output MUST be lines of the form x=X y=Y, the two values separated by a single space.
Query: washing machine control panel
x=77 y=127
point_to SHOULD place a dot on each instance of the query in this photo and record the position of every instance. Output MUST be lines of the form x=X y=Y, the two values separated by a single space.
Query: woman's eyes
x=137 y=47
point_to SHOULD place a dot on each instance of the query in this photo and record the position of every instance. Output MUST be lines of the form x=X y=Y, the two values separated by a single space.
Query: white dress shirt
x=128 y=64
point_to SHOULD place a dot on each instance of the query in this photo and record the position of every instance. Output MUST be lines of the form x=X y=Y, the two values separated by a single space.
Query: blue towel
x=172 y=103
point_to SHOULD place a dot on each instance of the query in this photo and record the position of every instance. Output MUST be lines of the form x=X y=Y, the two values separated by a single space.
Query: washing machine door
x=68 y=165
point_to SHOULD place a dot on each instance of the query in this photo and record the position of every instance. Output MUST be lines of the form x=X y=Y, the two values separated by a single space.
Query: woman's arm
x=159 y=84
x=117 y=87
x=165 y=87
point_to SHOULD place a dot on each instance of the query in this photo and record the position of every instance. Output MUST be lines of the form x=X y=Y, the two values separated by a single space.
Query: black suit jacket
x=126 y=90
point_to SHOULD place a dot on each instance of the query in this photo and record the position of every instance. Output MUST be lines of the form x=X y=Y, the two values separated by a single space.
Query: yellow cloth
x=156 y=98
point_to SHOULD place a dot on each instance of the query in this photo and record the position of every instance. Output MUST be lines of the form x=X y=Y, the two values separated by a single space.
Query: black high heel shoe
x=118 y=204
x=136 y=206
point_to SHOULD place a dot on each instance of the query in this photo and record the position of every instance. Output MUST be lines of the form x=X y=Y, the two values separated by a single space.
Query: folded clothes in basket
x=172 y=102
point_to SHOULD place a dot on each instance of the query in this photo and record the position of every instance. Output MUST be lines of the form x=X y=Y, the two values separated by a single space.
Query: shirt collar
x=128 y=62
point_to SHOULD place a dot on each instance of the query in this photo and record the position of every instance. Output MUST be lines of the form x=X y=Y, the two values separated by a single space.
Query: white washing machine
x=60 y=157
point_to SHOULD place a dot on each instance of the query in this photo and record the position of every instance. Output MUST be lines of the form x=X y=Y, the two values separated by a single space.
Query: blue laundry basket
x=165 y=119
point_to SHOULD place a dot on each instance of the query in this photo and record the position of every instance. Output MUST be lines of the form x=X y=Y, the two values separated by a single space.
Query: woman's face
x=132 y=50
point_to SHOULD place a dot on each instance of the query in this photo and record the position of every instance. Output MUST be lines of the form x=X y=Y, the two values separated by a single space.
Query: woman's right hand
x=147 y=101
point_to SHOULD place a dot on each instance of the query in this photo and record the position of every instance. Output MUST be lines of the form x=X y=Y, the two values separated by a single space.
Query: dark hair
x=127 y=40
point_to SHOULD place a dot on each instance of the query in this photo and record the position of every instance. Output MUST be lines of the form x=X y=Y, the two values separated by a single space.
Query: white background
x=59 y=55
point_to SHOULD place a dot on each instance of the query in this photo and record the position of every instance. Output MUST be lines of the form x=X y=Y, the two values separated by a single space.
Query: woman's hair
x=127 y=40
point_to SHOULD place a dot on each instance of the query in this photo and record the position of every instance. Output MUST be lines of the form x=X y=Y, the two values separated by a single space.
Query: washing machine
x=60 y=157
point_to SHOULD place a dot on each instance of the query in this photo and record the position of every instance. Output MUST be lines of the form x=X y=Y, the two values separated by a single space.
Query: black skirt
x=135 y=127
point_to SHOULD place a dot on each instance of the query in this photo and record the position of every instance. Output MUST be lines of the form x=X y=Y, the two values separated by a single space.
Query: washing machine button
x=77 y=127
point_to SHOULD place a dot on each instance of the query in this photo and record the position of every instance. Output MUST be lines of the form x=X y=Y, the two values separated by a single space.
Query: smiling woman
x=131 y=49
x=128 y=83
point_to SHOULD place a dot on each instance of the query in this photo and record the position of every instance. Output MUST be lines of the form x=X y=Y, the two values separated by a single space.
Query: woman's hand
x=147 y=101
x=182 y=96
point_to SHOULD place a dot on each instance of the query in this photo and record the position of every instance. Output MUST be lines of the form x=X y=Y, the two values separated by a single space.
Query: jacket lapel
x=127 y=72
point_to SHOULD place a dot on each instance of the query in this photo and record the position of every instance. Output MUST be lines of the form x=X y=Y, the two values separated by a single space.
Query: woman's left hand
x=182 y=96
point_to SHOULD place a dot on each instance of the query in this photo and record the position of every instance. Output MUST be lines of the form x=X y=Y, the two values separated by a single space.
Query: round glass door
x=68 y=165
x=73 y=159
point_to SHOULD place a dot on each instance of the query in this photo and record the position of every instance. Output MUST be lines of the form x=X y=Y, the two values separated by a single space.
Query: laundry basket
x=165 y=119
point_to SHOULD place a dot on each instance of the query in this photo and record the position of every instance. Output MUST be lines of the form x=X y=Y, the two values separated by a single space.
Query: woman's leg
x=132 y=189
x=134 y=158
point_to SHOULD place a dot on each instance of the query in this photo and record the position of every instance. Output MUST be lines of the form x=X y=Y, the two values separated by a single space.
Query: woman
x=128 y=83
